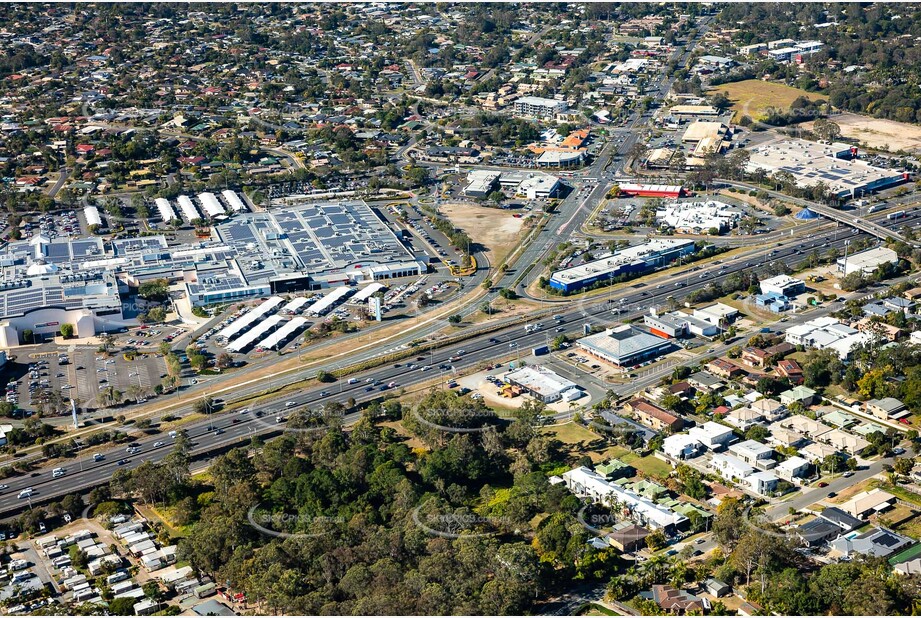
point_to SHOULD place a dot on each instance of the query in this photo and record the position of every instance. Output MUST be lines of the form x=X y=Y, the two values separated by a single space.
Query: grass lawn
x=911 y=528
x=649 y=465
x=754 y=97
x=581 y=441
x=899 y=492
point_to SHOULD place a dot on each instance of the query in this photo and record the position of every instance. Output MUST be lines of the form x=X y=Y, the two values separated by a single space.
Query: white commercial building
x=539 y=107
x=543 y=384
x=699 y=217
x=783 y=285
x=866 y=262
x=832 y=165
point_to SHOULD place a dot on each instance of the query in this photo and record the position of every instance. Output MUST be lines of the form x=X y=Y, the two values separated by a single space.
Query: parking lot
x=48 y=380
x=61 y=225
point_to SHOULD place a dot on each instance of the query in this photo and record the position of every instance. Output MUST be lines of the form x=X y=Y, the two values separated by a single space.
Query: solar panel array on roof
x=311 y=237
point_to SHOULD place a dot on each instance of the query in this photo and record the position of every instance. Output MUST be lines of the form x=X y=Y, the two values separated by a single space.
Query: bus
x=892 y=216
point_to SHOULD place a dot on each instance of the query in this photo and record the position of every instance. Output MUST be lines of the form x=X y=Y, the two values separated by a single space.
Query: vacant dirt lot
x=495 y=229
x=754 y=97
x=877 y=133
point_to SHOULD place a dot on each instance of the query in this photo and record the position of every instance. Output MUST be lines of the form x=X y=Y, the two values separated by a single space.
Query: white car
x=158 y=444
x=25 y=493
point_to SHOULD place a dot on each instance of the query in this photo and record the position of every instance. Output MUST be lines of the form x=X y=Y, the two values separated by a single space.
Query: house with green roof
x=840 y=419
x=615 y=469
x=867 y=428
x=647 y=489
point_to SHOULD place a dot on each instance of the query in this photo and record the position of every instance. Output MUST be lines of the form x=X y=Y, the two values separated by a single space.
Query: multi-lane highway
x=84 y=473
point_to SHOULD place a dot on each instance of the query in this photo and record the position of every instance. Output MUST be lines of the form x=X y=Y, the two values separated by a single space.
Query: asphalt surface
x=84 y=473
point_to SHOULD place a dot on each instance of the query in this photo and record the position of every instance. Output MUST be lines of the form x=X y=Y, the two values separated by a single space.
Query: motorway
x=83 y=473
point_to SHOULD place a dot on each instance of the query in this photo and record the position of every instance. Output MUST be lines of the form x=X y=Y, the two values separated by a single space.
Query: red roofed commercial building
x=643 y=190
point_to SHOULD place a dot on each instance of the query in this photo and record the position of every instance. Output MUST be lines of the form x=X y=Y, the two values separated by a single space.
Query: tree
x=156 y=289
x=67 y=330
x=325 y=376
x=455 y=319
x=122 y=606
x=656 y=540
x=223 y=361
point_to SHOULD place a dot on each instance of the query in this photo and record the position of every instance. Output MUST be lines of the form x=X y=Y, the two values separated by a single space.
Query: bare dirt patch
x=878 y=133
x=497 y=230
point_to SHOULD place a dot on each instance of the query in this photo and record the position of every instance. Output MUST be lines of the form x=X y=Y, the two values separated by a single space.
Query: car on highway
x=26 y=493
x=98 y=457
x=122 y=462
x=290 y=404
x=158 y=444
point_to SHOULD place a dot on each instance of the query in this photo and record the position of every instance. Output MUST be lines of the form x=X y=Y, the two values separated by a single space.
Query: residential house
x=817 y=451
x=628 y=539
x=675 y=601
x=682 y=446
x=762 y=483
x=880 y=542
x=743 y=418
x=713 y=435
x=844 y=441
x=724 y=368
x=794 y=467
x=731 y=468
x=771 y=409
x=868 y=502
x=705 y=381
x=653 y=416
x=754 y=453
x=829 y=524
x=798 y=394
x=755 y=357
x=887 y=408
x=791 y=370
